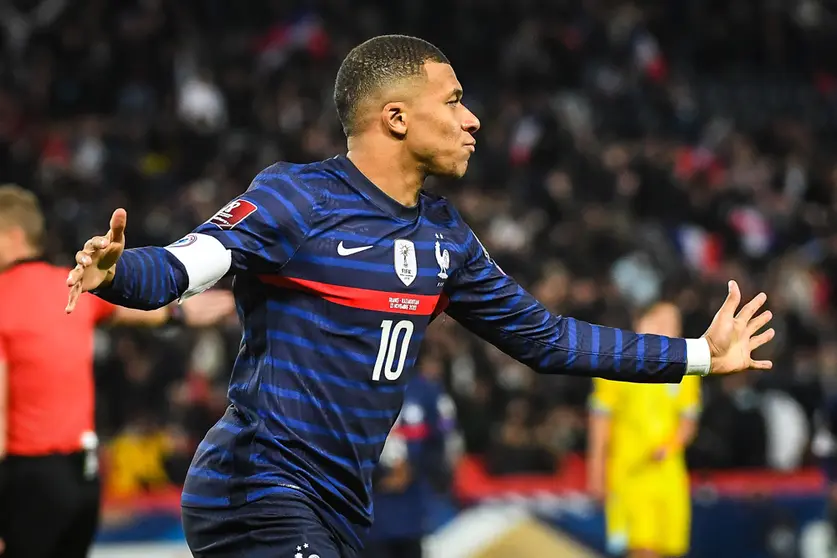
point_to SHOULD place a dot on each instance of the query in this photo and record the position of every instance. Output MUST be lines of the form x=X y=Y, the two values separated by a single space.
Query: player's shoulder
x=319 y=179
x=280 y=175
x=284 y=183
x=441 y=211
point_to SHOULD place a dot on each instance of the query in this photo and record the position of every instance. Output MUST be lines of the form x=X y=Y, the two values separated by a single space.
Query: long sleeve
x=146 y=279
x=258 y=231
x=493 y=306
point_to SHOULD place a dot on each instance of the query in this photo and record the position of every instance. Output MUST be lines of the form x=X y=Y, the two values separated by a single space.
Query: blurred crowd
x=629 y=152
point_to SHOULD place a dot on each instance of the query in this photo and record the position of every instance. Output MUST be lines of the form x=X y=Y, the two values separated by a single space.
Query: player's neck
x=399 y=179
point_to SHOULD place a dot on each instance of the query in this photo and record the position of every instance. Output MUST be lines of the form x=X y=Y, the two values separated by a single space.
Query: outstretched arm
x=492 y=305
x=258 y=231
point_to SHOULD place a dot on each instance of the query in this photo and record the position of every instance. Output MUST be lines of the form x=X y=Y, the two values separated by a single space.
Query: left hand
x=733 y=337
x=208 y=308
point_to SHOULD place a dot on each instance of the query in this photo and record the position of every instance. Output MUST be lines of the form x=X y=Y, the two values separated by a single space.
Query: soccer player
x=417 y=448
x=49 y=498
x=636 y=460
x=339 y=266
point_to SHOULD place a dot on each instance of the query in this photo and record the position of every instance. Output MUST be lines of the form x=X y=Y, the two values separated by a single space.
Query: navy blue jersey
x=336 y=283
x=419 y=437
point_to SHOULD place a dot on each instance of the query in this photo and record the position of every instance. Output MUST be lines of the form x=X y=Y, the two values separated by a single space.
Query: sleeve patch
x=232 y=214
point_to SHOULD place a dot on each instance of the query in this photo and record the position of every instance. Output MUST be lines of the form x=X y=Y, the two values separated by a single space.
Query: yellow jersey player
x=636 y=463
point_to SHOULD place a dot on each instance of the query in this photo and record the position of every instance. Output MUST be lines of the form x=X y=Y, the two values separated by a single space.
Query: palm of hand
x=95 y=263
x=733 y=337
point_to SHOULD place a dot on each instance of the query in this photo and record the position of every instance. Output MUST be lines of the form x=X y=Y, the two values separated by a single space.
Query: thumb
x=117 y=226
x=733 y=300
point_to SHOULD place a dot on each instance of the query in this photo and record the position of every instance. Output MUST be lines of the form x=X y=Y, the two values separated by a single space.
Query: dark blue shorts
x=287 y=529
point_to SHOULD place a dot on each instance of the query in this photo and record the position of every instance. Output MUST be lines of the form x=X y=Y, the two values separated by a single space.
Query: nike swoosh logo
x=343 y=251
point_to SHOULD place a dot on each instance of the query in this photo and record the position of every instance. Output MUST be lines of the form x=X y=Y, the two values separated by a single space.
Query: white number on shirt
x=389 y=350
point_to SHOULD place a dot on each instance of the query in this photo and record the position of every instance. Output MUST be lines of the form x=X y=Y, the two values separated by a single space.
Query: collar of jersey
x=368 y=188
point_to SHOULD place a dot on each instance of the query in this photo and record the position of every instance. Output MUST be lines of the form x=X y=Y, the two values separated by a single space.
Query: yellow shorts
x=650 y=512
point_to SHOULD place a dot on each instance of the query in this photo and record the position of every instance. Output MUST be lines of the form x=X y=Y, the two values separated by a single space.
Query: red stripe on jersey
x=366 y=299
x=412 y=432
x=441 y=306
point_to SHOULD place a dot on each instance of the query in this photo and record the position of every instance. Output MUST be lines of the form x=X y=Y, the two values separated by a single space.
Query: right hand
x=732 y=336
x=96 y=262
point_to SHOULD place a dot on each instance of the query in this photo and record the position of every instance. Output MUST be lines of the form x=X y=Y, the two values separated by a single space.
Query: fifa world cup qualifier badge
x=405 y=261
x=232 y=214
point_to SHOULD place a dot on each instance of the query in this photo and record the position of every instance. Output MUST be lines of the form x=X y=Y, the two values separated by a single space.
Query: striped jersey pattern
x=335 y=284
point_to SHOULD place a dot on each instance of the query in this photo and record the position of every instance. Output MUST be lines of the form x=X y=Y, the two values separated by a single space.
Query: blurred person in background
x=49 y=490
x=824 y=444
x=733 y=432
x=144 y=457
x=516 y=448
x=418 y=458
x=636 y=463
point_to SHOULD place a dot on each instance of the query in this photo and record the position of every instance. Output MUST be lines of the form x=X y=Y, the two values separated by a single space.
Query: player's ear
x=394 y=117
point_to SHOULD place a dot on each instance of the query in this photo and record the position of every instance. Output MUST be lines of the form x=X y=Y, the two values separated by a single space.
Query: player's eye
x=453 y=102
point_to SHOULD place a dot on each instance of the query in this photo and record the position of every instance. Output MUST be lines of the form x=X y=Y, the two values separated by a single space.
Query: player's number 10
x=386 y=362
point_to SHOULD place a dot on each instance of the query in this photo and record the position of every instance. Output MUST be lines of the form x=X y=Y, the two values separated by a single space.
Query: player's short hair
x=19 y=207
x=375 y=64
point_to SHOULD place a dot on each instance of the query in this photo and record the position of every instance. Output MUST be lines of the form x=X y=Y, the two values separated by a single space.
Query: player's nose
x=470 y=123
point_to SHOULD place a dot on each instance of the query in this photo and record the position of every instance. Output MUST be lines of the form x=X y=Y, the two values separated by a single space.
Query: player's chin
x=458 y=169
x=450 y=168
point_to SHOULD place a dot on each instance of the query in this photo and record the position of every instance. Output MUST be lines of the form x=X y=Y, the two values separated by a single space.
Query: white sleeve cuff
x=698 y=357
x=206 y=261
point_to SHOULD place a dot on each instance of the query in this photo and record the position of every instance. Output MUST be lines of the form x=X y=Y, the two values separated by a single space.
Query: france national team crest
x=405 y=261
x=442 y=258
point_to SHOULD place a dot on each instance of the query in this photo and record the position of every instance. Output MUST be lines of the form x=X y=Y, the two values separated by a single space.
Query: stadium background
x=629 y=150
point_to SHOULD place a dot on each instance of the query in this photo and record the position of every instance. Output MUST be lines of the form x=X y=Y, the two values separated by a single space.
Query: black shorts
x=396 y=548
x=288 y=529
x=50 y=506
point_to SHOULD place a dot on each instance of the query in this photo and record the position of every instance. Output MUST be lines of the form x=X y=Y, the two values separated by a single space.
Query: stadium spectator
x=586 y=158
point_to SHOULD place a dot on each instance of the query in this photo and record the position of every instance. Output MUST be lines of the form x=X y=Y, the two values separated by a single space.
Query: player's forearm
x=143 y=318
x=497 y=309
x=684 y=435
x=562 y=345
x=614 y=354
x=146 y=279
x=597 y=446
x=685 y=432
x=598 y=438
